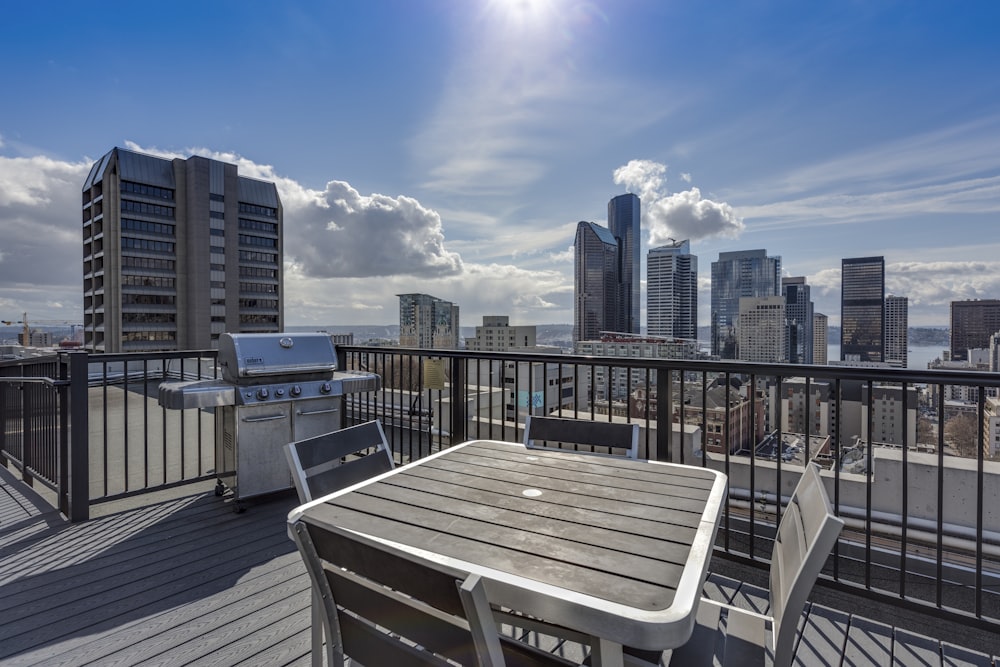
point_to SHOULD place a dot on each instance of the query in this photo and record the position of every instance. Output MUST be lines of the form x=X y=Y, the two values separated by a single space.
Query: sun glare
x=523 y=13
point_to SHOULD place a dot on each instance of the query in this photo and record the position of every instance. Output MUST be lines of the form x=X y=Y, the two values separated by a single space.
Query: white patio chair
x=560 y=433
x=806 y=535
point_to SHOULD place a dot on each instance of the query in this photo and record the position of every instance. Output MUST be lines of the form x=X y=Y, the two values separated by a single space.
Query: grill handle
x=250 y=420
x=316 y=412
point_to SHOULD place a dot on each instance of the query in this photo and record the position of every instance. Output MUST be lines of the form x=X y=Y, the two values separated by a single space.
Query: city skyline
x=451 y=148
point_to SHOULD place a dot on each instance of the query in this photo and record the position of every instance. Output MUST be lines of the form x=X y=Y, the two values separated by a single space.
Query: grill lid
x=248 y=358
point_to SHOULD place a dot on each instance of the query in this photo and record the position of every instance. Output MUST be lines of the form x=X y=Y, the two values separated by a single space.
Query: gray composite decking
x=187 y=581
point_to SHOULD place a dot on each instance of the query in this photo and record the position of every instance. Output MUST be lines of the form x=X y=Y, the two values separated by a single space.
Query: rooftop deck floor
x=186 y=581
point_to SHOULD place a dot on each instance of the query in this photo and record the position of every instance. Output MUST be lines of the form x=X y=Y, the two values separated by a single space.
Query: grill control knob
x=279 y=392
x=325 y=388
x=263 y=394
x=295 y=390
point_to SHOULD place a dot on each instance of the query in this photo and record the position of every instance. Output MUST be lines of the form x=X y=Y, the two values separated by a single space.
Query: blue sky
x=451 y=146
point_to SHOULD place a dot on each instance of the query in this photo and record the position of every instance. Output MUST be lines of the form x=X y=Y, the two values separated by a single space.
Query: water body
x=917 y=358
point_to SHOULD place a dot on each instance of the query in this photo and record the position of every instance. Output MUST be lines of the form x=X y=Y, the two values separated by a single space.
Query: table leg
x=604 y=653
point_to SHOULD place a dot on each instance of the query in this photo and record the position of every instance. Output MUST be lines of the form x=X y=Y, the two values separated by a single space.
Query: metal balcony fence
x=908 y=456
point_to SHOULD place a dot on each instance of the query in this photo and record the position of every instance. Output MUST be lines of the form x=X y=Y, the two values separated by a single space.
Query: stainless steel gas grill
x=275 y=388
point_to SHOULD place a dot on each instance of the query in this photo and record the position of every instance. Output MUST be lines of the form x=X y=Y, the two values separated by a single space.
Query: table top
x=609 y=546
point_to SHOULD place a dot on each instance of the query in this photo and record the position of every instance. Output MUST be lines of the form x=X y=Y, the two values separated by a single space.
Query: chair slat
x=561 y=431
x=332 y=461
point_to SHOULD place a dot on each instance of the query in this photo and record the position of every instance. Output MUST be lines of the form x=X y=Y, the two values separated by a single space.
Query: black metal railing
x=908 y=455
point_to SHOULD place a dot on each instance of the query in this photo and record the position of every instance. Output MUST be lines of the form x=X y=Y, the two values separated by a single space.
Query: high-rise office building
x=623 y=223
x=761 y=331
x=672 y=291
x=595 y=282
x=176 y=252
x=862 y=309
x=896 y=330
x=799 y=320
x=744 y=273
x=819 y=338
x=427 y=322
x=972 y=324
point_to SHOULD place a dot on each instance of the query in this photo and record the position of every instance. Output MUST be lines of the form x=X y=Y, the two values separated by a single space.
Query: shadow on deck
x=188 y=581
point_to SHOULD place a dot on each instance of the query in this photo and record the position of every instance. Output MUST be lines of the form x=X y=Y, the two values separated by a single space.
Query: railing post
x=27 y=433
x=76 y=451
x=664 y=414
x=459 y=424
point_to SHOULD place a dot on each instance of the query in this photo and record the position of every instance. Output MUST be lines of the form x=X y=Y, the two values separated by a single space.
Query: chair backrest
x=428 y=610
x=332 y=461
x=561 y=433
x=807 y=533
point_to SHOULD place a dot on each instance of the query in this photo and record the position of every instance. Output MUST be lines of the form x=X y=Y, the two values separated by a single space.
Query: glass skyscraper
x=595 y=281
x=623 y=223
x=862 y=309
x=798 y=319
x=744 y=273
x=672 y=291
x=972 y=324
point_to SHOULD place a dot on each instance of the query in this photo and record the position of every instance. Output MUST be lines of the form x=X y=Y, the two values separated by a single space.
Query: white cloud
x=682 y=215
x=686 y=177
x=342 y=233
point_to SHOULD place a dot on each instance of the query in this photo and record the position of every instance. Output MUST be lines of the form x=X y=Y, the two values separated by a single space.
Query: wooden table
x=615 y=548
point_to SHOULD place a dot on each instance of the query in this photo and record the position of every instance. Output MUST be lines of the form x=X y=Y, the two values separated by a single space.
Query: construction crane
x=26 y=330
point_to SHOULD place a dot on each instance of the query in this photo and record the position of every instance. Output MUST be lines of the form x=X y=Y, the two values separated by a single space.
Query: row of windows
x=129 y=262
x=131 y=280
x=136 y=336
x=217 y=232
x=217 y=267
x=217 y=249
x=259 y=319
x=129 y=206
x=258 y=272
x=258 y=303
x=253 y=256
x=246 y=239
x=148 y=318
x=265 y=211
x=218 y=215
x=261 y=288
x=218 y=283
x=132 y=225
x=214 y=197
x=258 y=225
x=148 y=299
x=149 y=246
x=147 y=190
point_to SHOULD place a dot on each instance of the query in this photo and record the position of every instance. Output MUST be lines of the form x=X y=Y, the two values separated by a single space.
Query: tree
x=925 y=432
x=962 y=431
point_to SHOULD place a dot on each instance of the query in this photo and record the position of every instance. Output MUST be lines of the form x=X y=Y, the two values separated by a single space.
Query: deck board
x=187 y=581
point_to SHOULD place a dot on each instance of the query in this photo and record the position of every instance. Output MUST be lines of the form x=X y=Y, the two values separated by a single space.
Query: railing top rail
x=860 y=373
x=174 y=354
x=35 y=380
